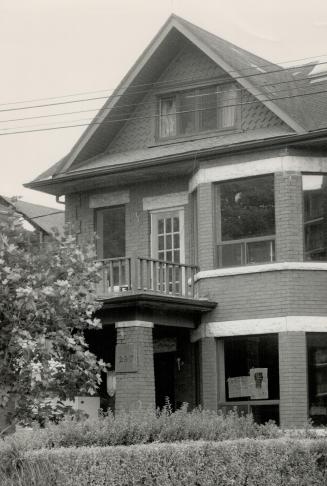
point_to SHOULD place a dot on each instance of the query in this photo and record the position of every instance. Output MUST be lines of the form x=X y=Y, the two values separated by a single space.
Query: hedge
x=140 y=427
x=245 y=462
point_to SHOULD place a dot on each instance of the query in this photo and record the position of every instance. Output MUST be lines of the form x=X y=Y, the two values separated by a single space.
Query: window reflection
x=317 y=377
x=315 y=216
x=246 y=221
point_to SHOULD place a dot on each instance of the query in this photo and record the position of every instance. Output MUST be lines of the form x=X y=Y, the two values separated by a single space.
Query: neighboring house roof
x=296 y=99
x=42 y=218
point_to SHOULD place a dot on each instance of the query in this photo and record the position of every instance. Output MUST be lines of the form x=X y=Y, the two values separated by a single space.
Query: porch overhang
x=165 y=310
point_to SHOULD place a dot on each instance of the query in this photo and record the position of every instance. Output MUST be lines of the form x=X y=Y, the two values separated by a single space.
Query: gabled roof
x=274 y=86
x=42 y=218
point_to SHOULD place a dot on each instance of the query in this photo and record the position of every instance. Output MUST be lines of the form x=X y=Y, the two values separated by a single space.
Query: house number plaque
x=126 y=358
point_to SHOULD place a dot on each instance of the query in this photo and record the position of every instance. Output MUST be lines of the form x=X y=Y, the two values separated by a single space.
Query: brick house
x=204 y=176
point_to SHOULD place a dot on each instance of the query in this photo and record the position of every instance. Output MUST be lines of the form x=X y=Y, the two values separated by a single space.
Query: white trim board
x=269 y=267
x=258 y=167
x=165 y=201
x=260 y=326
x=123 y=324
x=106 y=199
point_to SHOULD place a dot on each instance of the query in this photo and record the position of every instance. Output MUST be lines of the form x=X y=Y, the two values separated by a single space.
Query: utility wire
x=145 y=91
x=151 y=103
x=157 y=115
x=268 y=64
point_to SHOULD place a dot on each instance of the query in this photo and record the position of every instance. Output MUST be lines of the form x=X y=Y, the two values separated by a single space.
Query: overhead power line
x=157 y=115
x=151 y=84
x=261 y=66
x=151 y=103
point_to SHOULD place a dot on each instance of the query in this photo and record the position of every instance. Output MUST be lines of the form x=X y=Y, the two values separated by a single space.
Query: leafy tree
x=47 y=302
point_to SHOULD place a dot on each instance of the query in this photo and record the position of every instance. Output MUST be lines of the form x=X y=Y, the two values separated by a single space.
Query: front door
x=164 y=374
x=167 y=245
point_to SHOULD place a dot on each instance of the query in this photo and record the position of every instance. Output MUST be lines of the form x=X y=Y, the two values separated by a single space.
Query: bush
x=141 y=427
x=273 y=462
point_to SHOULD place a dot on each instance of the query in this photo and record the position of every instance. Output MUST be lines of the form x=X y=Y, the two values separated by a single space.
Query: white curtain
x=228 y=100
x=168 y=117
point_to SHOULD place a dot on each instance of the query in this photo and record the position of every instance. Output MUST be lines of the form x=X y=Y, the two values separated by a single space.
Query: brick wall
x=293 y=379
x=205 y=226
x=269 y=294
x=135 y=389
x=208 y=373
x=289 y=217
x=82 y=217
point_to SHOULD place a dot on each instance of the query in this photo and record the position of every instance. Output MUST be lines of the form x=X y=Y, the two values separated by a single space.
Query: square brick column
x=134 y=366
x=208 y=373
x=205 y=227
x=289 y=217
x=293 y=408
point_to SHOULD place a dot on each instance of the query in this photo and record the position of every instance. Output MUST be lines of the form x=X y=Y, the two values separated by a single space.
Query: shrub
x=273 y=462
x=140 y=427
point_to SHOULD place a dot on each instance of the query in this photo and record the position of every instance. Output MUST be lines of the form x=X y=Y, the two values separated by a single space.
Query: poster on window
x=258 y=383
x=239 y=386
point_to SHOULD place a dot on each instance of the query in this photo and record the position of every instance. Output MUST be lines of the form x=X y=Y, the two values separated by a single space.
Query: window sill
x=193 y=137
x=265 y=267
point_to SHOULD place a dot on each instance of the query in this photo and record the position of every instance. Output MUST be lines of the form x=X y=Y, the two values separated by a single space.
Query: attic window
x=198 y=110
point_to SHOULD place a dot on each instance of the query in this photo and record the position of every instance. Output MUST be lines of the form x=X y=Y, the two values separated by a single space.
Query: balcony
x=147 y=275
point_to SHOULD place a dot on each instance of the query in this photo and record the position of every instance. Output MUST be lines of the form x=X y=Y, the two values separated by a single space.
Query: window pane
x=317 y=376
x=160 y=226
x=167 y=125
x=176 y=224
x=230 y=255
x=227 y=105
x=176 y=241
x=161 y=243
x=315 y=216
x=260 y=251
x=187 y=104
x=168 y=225
x=247 y=208
x=111 y=232
x=207 y=103
x=168 y=242
x=258 y=352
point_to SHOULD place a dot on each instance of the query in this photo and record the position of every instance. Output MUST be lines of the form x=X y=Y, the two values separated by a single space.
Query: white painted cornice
x=258 y=167
x=260 y=326
x=269 y=267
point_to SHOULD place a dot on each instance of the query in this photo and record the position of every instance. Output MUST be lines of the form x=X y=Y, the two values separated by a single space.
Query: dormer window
x=198 y=110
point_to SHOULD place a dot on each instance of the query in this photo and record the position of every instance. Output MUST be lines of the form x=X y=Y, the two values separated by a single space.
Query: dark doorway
x=164 y=374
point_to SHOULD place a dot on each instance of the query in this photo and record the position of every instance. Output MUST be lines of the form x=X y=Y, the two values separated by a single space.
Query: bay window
x=315 y=216
x=198 y=110
x=317 y=377
x=245 y=221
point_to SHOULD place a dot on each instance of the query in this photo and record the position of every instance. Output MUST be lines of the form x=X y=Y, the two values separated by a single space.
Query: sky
x=56 y=50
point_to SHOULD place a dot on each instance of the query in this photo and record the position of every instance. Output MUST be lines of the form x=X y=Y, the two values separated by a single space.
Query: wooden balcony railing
x=146 y=274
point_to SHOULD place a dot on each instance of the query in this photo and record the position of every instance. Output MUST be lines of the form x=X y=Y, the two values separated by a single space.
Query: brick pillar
x=208 y=373
x=134 y=366
x=293 y=380
x=205 y=227
x=289 y=217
